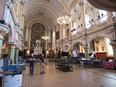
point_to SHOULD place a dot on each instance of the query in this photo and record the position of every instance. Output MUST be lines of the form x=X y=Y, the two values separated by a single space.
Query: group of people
x=32 y=60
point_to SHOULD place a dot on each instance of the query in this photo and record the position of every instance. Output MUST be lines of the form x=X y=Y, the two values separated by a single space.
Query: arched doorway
x=37 y=31
x=78 y=48
x=65 y=48
x=101 y=44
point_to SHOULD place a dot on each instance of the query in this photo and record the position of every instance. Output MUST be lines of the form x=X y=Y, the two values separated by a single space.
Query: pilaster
x=86 y=51
x=11 y=53
x=113 y=40
x=113 y=44
x=16 y=55
x=1 y=41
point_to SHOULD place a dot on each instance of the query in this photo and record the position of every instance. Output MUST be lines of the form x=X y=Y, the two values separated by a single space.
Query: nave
x=80 y=77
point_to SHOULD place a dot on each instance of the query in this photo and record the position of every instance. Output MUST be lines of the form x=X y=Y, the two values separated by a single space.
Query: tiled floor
x=80 y=77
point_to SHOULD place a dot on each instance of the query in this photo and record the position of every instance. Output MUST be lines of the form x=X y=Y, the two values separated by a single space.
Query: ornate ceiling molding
x=41 y=13
x=44 y=22
x=73 y=3
x=4 y=28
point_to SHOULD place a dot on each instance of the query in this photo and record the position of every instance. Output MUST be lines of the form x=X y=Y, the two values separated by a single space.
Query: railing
x=96 y=26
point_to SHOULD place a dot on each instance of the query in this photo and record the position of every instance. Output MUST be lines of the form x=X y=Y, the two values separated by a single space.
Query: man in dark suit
x=31 y=63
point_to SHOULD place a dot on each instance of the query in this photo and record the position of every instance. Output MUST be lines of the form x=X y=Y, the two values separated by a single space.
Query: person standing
x=42 y=64
x=31 y=63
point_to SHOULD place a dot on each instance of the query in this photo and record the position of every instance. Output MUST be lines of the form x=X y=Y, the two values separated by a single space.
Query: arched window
x=103 y=15
x=87 y=21
x=74 y=28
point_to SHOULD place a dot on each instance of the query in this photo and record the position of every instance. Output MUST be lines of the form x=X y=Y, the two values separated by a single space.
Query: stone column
x=86 y=45
x=12 y=53
x=51 y=40
x=16 y=55
x=110 y=14
x=60 y=34
x=113 y=40
x=1 y=41
x=86 y=51
x=114 y=49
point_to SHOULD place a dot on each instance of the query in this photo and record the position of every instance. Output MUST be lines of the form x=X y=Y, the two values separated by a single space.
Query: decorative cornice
x=12 y=46
x=20 y=32
x=4 y=28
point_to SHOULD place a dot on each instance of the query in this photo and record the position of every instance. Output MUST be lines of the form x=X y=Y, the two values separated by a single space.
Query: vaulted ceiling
x=46 y=11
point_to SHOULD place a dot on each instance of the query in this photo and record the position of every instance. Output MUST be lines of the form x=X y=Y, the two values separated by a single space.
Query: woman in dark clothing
x=31 y=63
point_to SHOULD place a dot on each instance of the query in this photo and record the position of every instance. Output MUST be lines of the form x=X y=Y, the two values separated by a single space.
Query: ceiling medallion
x=64 y=19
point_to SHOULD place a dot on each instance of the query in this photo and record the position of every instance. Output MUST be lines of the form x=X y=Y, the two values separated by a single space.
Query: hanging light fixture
x=45 y=37
x=64 y=19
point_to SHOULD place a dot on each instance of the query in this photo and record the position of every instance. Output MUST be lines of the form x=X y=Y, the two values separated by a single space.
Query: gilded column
x=12 y=53
x=1 y=41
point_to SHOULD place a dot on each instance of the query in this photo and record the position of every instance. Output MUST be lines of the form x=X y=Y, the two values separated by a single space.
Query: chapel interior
x=73 y=35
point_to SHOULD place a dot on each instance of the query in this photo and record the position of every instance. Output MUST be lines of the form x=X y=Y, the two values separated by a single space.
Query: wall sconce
x=47 y=52
x=98 y=16
x=78 y=26
x=102 y=15
x=92 y=20
x=28 y=52
x=81 y=25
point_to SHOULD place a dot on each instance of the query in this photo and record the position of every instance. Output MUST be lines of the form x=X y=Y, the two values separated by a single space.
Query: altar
x=38 y=48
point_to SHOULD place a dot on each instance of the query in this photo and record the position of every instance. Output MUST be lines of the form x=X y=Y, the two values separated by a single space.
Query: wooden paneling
x=101 y=55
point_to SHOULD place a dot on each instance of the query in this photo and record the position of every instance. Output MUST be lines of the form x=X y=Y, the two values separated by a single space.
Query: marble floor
x=80 y=77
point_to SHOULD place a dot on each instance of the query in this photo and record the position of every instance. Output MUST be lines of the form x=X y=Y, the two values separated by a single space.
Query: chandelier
x=45 y=37
x=64 y=19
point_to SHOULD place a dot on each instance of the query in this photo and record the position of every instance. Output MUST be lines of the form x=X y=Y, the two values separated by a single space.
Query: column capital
x=4 y=28
x=12 y=46
x=17 y=48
